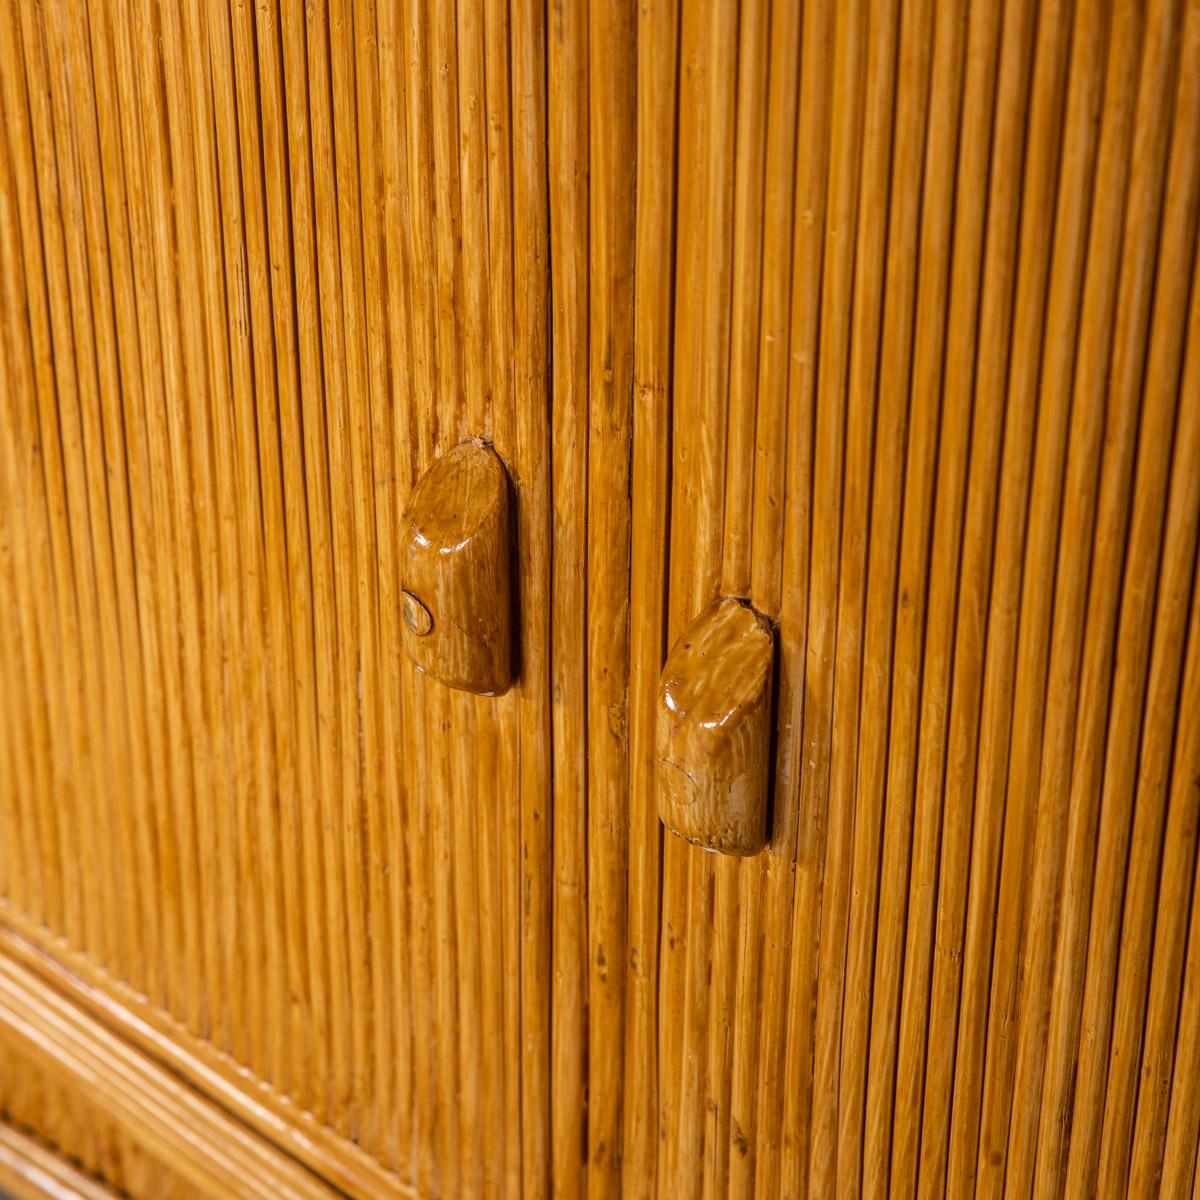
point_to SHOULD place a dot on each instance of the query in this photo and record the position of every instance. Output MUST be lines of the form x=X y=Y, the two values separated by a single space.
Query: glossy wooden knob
x=457 y=598
x=714 y=730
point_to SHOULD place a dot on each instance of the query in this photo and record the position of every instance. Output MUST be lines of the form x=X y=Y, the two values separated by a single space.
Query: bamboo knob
x=456 y=601
x=714 y=730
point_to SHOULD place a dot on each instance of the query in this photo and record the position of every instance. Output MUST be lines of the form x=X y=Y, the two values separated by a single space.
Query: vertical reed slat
x=654 y=306
x=887 y=605
x=567 y=41
x=1164 y=833
x=810 y=938
x=612 y=145
x=857 y=535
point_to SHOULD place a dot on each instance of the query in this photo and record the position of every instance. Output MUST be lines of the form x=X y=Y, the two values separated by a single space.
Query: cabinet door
x=917 y=320
x=262 y=264
x=881 y=317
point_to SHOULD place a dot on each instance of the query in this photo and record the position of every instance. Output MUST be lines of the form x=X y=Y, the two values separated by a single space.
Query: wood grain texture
x=714 y=730
x=301 y=261
x=195 y=1138
x=944 y=496
x=30 y=1170
x=457 y=595
x=149 y=1031
x=56 y=1142
x=880 y=317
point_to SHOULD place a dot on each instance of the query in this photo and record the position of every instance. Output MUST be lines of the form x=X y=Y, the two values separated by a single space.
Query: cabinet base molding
x=30 y=1171
x=183 y=1099
x=176 y=1124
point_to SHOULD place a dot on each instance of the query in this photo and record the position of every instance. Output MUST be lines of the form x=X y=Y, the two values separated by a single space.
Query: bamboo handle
x=714 y=730
x=457 y=601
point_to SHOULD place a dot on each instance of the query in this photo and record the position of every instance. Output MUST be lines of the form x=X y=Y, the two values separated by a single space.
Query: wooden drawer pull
x=714 y=730
x=457 y=598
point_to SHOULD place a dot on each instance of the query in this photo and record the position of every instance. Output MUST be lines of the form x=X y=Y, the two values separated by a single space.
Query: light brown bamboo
x=353 y=128
x=735 y=1153
x=788 y=563
x=261 y=500
x=745 y=300
x=992 y=542
x=134 y=370
x=945 y=760
x=27 y=539
x=1163 y=839
x=612 y=134
x=1183 y=1120
x=879 y=317
x=1138 y=828
x=90 y=285
x=275 y=57
x=188 y=426
x=1122 y=683
x=1029 y=509
x=107 y=1157
x=232 y=635
x=567 y=43
x=654 y=306
x=25 y=110
x=846 y=104
x=394 y=424
x=704 y=253
x=22 y=748
x=437 y=132
x=501 y=255
x=531 y=348
x=413 y=168
x=862 y=411
x=81 y=436
x=1074 y=511
x=913 y=586
x=243 y=1030
x=885 y=605
x=389 y=1057
x=1091 y=365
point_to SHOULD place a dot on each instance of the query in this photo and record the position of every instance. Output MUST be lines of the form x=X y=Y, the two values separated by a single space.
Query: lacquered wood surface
x=154 y=1112
x=151 y=1034
x=30 y=1170
x=931 y=394
x=880 y=316
x=456 y=574
x=78 y=1149
x=261 y=265
x=714 y=730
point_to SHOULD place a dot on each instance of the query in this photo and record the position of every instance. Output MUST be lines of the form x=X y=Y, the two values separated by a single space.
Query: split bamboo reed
x=880 y=316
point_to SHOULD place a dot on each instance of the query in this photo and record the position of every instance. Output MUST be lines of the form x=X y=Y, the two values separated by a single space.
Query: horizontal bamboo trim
x=30 y=1171
x=178 y=1125
x=157 y=1037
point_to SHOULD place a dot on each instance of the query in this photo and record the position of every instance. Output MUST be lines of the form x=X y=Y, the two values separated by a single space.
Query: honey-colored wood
x=880 y=316
x=1018 y=268
x=30 y=1171
x=654 y=283
x=456 y=598
x=714 y=730
x=155 y=1034
x=54 y=1141
x=188 y=1132
x=266 y=227
x=567 y=150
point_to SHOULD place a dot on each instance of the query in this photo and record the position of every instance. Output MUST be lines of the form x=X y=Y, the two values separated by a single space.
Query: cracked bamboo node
x=457 y=600
x=713 y=732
